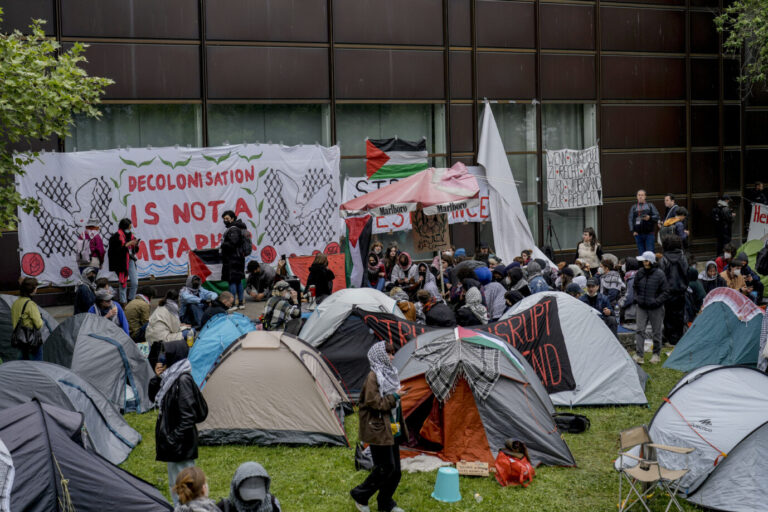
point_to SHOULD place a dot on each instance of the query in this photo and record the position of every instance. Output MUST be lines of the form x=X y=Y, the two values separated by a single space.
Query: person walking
x=181 y=406
x=381 y=426
x=123 y=246
x=191 y=487
x=722 y=216
x=675 y=267
x=643 y=217
x=25 y=311
x=249 y=491
x=651 y=293
x=232 y=257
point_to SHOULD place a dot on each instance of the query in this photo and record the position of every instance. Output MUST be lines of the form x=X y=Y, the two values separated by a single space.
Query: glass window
x=567 y=126
x=137 y=126
x=287 y=124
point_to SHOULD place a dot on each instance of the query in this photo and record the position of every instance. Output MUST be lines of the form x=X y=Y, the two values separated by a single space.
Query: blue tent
x=717 y=336
x=216 y=336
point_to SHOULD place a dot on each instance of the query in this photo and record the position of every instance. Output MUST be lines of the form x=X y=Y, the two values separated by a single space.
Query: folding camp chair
x=647 y=473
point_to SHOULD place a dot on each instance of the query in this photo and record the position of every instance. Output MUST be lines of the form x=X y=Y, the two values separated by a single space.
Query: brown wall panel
x=624 y=173
x=756 y=128
x=731 y=87
x=732 y=125
x=643 y=126
x=643 y=78
x=568 y=77
x=707 y=3
x=567 y=27
x=10 y=270
x=642 y=30
x=614 y=226
x=18 y=14
x=459 y=30
x=705 y=172
x=266 y=20
x=703 y=33
x=704 y=79
x=506 y=75
x=656 y=2
x=754 y=165
x=389 y=74
x=391 y=22
x=270 y=73
x=146 y=71
x=732 y=169
x=700 y=213
x=167 y=19
x=461 y=129
x=461 y=75
x=704 y=125
x=505 y=24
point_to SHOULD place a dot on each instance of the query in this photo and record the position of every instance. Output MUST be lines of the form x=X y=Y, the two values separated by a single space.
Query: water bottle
x=190 y=337
x=478 y=498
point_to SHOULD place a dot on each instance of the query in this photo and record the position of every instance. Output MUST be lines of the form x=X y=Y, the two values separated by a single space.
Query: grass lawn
x=319 y=479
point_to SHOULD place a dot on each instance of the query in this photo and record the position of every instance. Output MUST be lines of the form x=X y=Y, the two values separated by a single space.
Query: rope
x=721 y=452
x=67 y=505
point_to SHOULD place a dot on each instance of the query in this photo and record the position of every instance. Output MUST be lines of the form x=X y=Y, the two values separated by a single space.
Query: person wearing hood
x=511 y=298
x=436 y=312
x=600 y=303
x=407 y=307
x=123 y=246
x=220 y=306
x=259 y=280
x=651 y=292
x=137 y=313
x=627 y=303
x=427 y=281
x=694 y=295
x=281 y=308
x=494 y=298
x=675 y=267
x=232 y=257
x=518 y=282
x=751 y=278
x=723 y=216
x=164 y=325
x=381 y=426
x=193 y=301
x=536 y=281
x=85 y=294
x=710 y=278
x=375 y=273
x=105 y=307
x=249 y=491
x=483 y=253
x=460 y=255
x=191 y=487
x=404 y=274
x=472 y=312
x=180 y=406
x=321 y=277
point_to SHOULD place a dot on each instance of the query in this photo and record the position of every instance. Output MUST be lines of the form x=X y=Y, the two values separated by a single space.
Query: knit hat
x=483 y=275
x=460 y=253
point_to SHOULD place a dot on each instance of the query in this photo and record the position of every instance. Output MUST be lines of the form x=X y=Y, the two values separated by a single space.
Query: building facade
x=645 y=80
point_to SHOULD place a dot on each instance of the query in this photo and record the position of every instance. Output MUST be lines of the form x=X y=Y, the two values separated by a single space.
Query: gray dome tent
x=49 y=450
x=7 y=352
x=101 y=353
x=6 y=477
x=22 y=381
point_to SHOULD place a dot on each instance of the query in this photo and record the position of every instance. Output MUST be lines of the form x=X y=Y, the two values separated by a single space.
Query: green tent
x=752 y=247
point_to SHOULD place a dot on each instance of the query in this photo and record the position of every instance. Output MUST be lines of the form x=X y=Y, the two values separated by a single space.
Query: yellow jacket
x=31 y=318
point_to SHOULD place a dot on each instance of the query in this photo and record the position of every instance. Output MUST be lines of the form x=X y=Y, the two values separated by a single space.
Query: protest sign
x=573 y=178
x=758 y=222
x=430 y=232
x=288 y=198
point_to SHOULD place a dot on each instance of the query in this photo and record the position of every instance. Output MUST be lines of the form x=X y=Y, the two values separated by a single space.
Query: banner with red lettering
x=758 y=223
x=288 y=197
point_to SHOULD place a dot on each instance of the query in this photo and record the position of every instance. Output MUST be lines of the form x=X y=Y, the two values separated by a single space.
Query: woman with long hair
x=589 y=250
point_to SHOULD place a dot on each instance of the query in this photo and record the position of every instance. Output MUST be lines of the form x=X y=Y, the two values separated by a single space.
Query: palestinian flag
x=207 y=265
x=394 y=158
x=470 y=336
x=356 y=249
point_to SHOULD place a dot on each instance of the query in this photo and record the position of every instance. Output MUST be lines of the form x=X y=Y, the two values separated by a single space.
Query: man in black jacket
x=436 y=313
x=181 y=406
x=221 y=305
x=650 y=294
x=674 y=264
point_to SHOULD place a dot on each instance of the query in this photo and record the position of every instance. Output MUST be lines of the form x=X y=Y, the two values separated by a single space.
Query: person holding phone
x=123 y=246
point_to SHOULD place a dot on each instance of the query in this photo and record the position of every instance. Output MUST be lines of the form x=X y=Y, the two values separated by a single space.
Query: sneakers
x=241 y=306
x=655 y=359
x=361 y=508
x=638 y=359
x=397 y=509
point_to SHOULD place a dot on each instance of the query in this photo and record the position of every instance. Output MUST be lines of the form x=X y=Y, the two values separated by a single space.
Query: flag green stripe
x=398 y=170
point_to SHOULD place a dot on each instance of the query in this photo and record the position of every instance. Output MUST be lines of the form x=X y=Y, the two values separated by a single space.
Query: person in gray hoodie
x=249 y=491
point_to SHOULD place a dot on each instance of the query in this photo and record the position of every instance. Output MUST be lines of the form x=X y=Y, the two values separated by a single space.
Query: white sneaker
x=232 y=309
x=361 y=508
x=241 y=306
x=397 y=509
x=655 y=359
x=638 y=359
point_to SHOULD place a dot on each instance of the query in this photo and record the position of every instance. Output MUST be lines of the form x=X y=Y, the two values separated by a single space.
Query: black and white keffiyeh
x=386 y=374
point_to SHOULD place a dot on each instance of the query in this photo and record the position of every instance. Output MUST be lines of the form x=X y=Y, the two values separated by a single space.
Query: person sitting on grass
x=249 y=491
x=192 y=489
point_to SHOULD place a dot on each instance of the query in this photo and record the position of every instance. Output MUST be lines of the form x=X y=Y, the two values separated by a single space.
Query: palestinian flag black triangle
x=394 y=158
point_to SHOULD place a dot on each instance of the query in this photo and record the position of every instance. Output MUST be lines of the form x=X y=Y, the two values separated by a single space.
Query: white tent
x=332 y=312
x=603 y=370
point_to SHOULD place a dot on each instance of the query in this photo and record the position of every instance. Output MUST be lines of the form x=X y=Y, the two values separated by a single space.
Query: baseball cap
x=647 y=256
x=591 y=281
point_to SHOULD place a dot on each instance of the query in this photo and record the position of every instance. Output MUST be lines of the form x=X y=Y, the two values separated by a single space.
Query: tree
x=41 y=88
x=745 y=23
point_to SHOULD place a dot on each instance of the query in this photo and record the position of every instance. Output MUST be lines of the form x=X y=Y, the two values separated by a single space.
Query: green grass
x=319 y=479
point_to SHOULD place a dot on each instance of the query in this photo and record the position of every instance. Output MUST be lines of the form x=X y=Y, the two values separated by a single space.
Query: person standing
x=232 y=257
x=723 y=215
x=670 y=206
x=643 y=216
x=650 y=294
x=123 y=246
x=25 y=310
x=675 y=267
x=181 y=406
x=758 y=195
x=381 y=429
x=589 y=250
x=90 y=246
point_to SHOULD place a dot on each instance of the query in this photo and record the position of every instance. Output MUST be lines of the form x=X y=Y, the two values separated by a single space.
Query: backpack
x=83 y=250
x=761 y=263
x=24 y=337
x=571 y=423
x=513 y=471
x=245 y=246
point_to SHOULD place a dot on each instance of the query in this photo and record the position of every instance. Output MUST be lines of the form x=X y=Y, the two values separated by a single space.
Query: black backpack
x=761 y=263
x=571 y=423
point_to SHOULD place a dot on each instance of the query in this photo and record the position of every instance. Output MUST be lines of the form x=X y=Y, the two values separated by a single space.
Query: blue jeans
x=193 y=314
x=379 y=285
x=27 y=355
x=236 y=289
x=645 y=242
x=133 y=283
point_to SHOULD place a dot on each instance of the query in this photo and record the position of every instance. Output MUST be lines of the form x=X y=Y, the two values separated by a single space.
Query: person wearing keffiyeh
x=472 y=312
x=381 y=427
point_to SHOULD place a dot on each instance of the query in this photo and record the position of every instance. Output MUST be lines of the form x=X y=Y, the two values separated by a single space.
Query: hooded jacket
x=536 y=281
x=675 y=269
x=189 y=295
x=236 y=504
x=651 y=290
x=163 y=326
x=232 y=260
x=399 y=273
x=438 y=314
x=710 y=283
x=214 y=309
x=84 y=293
x=322 y=277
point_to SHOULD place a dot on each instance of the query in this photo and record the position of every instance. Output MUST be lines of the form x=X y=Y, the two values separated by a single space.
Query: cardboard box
x=467 y=468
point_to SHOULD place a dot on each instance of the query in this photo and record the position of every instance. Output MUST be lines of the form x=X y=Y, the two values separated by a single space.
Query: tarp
x=7 y=352
x=22 y=381
x=49 y=450
x=219 y=333
x=272 y=388
x=101 y=353
x=727 y=332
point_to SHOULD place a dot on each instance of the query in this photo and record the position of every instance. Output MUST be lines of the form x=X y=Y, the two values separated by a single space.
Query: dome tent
x=105 y=356
x=220 y=332
x=7 y=352
x=22 y=381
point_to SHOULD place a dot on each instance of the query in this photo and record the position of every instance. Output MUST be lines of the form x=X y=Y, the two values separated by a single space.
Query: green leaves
x=128 y=162
x=114 y=182
x=218 y=160
x=260 y=206
x=263 y=172
x=134 y=164
x=180 y=163
x=124 y=199
x=252 y=157
x=261 y=237
x=745 y=25
x=253 y=224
